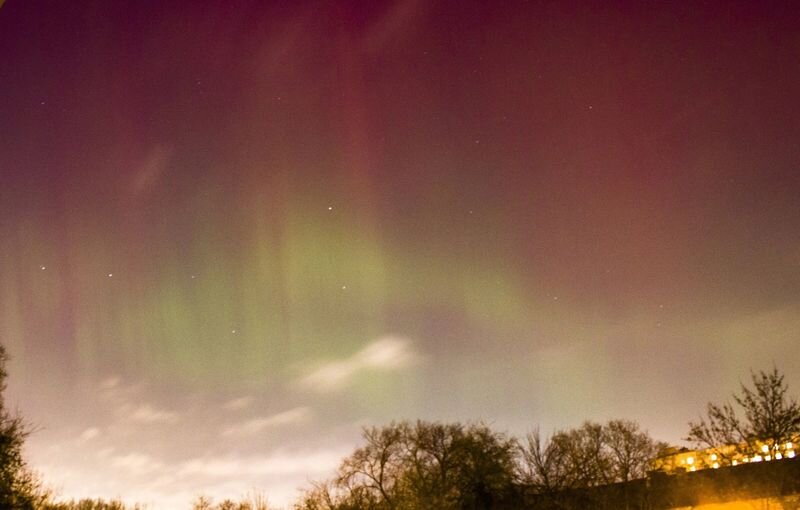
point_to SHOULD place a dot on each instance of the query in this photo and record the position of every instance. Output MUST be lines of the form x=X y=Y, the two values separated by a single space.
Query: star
x=110 y=275
x=43 y=268
x=344 y=287
x=330 y=208
x=233 y=331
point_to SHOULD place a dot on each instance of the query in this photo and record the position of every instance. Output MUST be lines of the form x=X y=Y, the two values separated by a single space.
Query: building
x=680 y=460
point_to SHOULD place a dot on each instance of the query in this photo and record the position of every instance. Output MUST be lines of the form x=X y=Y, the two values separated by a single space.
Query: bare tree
x=373 y=472
x=543 y=465
x=424 y=465
x=770 y=418
x=319 y=497
x=630 y=449
x=587 y=456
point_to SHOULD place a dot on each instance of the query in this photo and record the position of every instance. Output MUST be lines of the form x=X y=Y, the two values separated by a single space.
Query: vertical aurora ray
x=514 y=194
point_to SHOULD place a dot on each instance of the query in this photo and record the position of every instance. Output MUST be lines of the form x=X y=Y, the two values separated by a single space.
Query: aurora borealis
x=233 y=233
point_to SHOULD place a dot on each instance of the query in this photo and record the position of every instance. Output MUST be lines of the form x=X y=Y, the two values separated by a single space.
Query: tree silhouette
x=589 y=456
x=407 y=466
x=771 y=419
x=19 y=488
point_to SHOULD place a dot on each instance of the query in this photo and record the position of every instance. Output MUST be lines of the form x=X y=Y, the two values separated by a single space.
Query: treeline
x=405 y=466
x=456 y=466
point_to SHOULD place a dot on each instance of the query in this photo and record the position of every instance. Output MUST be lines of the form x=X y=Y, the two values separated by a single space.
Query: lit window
x=713 y=456
x=778 y=456
x=764 y=448
x=735 y=462
x=757 y=458
x=790 y=454
x=692 y=468
x=715 y=465
x=690 y=460
x=789 y=445
x=768 y=458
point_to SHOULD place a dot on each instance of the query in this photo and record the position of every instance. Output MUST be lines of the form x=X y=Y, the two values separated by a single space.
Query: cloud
x=109 y=383
x=397 y=23
x=146 y=413
x=90 y=433
x=387 y=353
x=257 y=425
x=137 y=463
x=150 y=171
x=277 y=464
x=238 y=403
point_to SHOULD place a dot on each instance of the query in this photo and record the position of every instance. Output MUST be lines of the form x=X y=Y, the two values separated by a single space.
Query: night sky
x=233 y=233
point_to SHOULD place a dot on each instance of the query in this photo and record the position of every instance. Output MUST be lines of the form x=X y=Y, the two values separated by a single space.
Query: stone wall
x=756 y=486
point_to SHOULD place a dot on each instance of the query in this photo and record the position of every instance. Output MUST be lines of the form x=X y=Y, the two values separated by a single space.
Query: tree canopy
x=19 y=488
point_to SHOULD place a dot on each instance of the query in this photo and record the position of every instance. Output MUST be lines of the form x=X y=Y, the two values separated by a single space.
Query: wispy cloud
x=257 y=425
x=387 y=353
x=90 y=433
x=238 y=403
x=276 y=464
x=150 y=171
x=137 y=463
x=145 y=413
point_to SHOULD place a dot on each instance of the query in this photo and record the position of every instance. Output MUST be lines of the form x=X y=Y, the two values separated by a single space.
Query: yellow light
x=692 y=468
x=778 y=456
x=713 y=456
x=716 y=465
x=790 y=454
x=690 y=460
x=789 y=445
x=764 y=448
x=768 y=458
x=735 y=462
x=757 y=458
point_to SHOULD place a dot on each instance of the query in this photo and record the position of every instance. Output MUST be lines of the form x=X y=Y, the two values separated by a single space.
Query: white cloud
x=90 y=433
x=387 y=353
x=257 y=425
x=146 y=413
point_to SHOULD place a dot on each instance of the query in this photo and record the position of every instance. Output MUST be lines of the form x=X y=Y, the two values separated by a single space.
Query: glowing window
x=690 y=460
x=778 y=456
x=735 y=462
x=713 y=456
x=764 y=448
x=716 y=465
x=790 y=454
